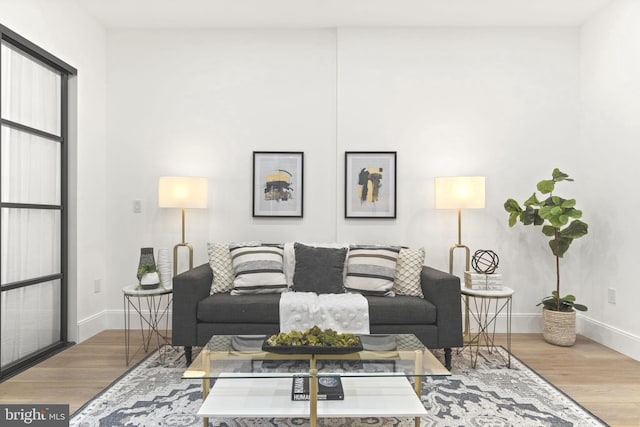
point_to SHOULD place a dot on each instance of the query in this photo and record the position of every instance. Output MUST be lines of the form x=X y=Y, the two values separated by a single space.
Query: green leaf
x=575 y=230
x=563 y=219
x=549 y=305
x=556 y=201
x=568 y=298
x=532 y=201
x=559 y=176
x=555 y=221
x=548 y=230
x=545 y=212
x=568 y=203
x=580 y=307
x=513 y=218
x=546 y=186
x=538 y=220
x=512 y=206
x=556 y=210
x=528 y=216
x=574 y=213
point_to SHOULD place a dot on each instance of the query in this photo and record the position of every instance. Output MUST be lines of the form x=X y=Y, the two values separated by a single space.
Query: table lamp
x=184 y=193
x=460 y=192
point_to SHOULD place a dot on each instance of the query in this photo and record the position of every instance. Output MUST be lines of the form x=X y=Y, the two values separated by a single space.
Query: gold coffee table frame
x=424 y=364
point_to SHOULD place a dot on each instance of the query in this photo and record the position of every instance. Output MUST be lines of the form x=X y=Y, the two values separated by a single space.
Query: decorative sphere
x=485 y=261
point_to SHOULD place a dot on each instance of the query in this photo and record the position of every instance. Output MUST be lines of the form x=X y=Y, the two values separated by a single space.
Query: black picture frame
x=375 y=173
x=278 y=184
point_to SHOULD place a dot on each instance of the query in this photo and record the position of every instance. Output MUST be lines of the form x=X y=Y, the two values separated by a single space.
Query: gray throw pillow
x=319 y=270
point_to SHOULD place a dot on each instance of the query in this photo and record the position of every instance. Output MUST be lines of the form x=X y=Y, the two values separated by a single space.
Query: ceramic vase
x=164 y=268
x=147 y=273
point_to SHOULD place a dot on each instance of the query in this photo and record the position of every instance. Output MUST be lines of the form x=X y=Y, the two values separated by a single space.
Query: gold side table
x=152 y=307
x=485 y=305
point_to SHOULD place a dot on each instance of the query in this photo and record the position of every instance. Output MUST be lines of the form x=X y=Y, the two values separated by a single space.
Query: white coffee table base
x=364 y=397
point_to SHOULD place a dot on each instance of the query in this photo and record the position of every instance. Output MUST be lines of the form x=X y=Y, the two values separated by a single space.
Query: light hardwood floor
x=602 y=380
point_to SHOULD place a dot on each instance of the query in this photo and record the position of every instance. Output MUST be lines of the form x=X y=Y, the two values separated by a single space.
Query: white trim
x=521 y=323
x=91 y=325
x=115 y=319
x=609 y=336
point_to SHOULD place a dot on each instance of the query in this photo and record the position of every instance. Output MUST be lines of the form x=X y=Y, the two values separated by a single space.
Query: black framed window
x=33 y=200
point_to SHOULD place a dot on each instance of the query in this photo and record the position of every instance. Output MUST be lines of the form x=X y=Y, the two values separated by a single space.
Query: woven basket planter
x=559 y=327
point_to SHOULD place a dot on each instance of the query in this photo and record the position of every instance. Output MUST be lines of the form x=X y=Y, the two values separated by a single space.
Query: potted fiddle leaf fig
x=561 y=224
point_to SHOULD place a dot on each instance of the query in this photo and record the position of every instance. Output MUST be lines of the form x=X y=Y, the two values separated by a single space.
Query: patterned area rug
x=153 y=394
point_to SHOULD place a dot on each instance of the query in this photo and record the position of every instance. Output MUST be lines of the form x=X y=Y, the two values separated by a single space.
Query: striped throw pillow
x=371 y=270
x=258 y=269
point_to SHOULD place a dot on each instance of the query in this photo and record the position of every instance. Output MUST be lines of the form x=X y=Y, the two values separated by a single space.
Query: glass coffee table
x=239 y=379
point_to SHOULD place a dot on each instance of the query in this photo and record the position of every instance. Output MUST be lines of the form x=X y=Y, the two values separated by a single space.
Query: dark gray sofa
x=436 y=320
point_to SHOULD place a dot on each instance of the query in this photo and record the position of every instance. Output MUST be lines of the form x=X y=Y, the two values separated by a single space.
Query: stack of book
x=473 y=280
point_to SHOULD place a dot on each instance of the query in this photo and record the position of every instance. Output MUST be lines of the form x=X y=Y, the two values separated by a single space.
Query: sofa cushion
x=371 y=269
x=227 y=308
x=257 y=269
x=265 y=308
x=220 y=263
x=408 y=269
x=319 y=270
x=401 y=310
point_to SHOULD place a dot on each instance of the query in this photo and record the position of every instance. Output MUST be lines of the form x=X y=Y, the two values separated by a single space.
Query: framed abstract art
x=278 y=183
x=370 y=184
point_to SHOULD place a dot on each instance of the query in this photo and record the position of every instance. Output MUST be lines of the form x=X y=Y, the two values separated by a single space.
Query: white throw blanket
x=344 y=313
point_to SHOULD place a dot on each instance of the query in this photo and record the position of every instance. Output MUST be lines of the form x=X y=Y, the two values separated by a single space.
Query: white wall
x=610 y=86
x=59 y=27
x=492 y=102
x=198 y=103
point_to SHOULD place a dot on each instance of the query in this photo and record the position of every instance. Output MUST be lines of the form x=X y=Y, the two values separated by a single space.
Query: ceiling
x=338 y=13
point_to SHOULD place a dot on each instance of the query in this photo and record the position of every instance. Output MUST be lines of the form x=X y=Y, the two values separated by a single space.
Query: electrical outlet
x=611 y=295
x=97 y=286
x=137 y=206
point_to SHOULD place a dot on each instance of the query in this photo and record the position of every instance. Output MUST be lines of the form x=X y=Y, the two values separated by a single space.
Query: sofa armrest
x=189 y=288
x=443 y=290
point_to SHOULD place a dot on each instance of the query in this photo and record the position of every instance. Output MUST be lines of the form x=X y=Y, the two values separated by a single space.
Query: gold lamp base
x=175 y=251
x=175 y=256
x=466 y=332
x=466 y=336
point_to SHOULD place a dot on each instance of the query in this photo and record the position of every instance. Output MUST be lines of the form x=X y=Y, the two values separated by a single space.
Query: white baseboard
x=115 y=319
x=609 y=336
x=521 y=323
x=111 y=319
x=91 y=325
x=614 y=338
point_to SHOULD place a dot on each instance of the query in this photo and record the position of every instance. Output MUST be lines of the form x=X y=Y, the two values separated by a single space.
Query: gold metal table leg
x=206 y=382
x=313 y=390
x=418 y=379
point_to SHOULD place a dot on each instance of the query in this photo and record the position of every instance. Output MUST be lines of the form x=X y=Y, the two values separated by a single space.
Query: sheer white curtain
x=30 y=238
